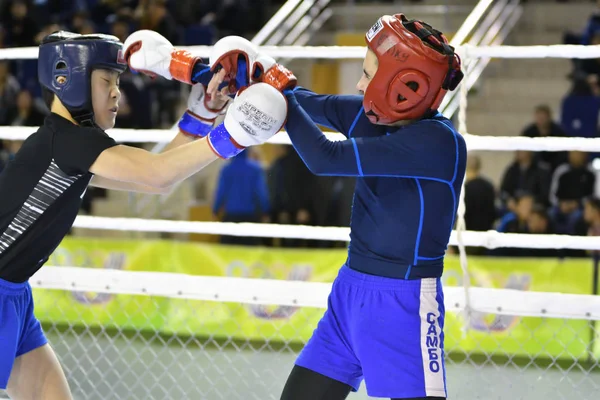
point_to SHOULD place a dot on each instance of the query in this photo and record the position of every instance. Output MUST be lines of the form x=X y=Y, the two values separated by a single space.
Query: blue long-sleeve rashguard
x=409 y=181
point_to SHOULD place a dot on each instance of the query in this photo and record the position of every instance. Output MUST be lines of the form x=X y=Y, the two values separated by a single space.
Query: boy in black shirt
x=43 y=186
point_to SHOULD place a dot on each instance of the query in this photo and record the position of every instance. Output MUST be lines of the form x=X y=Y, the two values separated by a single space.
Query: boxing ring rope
x=313 y=294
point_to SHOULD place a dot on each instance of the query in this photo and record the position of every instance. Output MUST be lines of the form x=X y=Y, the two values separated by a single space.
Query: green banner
x=491 y=334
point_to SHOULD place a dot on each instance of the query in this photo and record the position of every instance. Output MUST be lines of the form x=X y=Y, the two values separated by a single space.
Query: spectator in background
x=9 y=88
x=590 y=66
x=294 y=193
x=573 y=181
x=516 y=221
x=156 y=17
x=480 y=197
x=106 y=11
x=26 y=114
x=120 y=28
x=591 y=215
x=539 y=223
x=544 y=126
x=46 y=30
x=580 y=108
x=528 y=218
x=524 y=175
x=20 y=27
x=571 y=184
x=78 y=21
x=10 y=148
x=2 y=36
x=242 y=196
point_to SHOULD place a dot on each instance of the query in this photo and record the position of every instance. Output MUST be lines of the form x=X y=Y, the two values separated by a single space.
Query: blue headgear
x=74 y=57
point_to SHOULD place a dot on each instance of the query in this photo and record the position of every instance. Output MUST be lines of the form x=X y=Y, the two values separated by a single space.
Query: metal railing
x=482 y=28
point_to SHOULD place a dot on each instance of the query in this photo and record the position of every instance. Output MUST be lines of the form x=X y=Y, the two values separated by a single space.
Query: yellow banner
x=487 y=333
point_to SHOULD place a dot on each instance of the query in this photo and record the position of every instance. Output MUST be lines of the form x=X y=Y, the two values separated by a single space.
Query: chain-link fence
x=125 y=347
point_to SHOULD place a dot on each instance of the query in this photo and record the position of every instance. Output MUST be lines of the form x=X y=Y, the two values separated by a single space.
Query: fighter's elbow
x=318 y=167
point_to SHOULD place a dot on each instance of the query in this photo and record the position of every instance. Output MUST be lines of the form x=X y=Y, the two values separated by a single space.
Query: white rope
x=490 y=239
x=298 y=293
x=474 y=142
x=358 y=52
x=460 y=215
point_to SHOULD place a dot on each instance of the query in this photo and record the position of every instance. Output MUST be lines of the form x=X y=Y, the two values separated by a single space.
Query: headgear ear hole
x=61 y=79
x=412 y=85
x=61 y=65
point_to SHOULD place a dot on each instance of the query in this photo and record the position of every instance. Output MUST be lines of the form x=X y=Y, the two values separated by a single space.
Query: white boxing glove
x=256 y=114
x=226 y=53
x=255 y=66
x=152 y=54
x=199 y=118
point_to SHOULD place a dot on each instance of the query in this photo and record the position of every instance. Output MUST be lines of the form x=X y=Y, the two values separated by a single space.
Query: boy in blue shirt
x=385 y=316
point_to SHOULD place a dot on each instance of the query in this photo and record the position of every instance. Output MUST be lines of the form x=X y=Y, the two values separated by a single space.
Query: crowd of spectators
x=540 y=192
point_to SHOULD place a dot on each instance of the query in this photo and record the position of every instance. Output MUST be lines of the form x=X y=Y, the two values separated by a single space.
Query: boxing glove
x=244 y=64
x=255 y=115
x=200 y=116
x=152 y=54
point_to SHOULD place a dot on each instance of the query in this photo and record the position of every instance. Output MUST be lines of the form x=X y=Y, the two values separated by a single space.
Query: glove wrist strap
x=222 y=143
x=182 y=65
x=194 y=126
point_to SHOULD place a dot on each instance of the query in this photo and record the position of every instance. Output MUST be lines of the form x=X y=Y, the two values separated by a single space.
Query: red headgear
x=416 y=68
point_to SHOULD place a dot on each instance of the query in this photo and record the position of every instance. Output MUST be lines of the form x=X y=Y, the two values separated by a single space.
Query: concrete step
x=557 y=16
x=360 y=17
x=497 y=122
x=509 y=88
x=541 y=35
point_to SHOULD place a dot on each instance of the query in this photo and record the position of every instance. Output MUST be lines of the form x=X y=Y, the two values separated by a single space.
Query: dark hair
x=543 y=108
x=540 y=210
x=476 y=161
x=48 y=97
x=594 y=202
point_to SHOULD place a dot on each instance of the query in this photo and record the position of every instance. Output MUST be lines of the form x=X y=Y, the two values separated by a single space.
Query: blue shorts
x=20 y=331
x=386 y=331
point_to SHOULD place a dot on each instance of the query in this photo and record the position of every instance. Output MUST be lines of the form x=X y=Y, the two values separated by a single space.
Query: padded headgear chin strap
x=416 y=67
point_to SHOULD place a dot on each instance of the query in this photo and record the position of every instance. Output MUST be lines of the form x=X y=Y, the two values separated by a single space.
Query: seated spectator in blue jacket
x=516 y=221
x=242 y=196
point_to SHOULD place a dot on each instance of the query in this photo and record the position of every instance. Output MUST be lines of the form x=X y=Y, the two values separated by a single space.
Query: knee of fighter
x=256 y=114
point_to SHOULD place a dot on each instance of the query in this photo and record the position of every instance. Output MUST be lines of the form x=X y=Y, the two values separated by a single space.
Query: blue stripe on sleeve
x=420 y=222
x=360 y=112
x=360 y=171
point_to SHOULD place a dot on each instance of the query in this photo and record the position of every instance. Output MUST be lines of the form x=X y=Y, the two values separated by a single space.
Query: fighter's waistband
x=12 y=288
x=368 y=265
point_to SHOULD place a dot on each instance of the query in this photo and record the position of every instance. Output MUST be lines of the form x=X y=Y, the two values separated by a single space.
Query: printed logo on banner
x=484 y=322
x=296 y=272
x=89 y=259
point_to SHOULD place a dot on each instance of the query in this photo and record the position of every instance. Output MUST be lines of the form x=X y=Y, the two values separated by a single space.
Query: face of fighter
x=369 y=69
x=105 y=97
